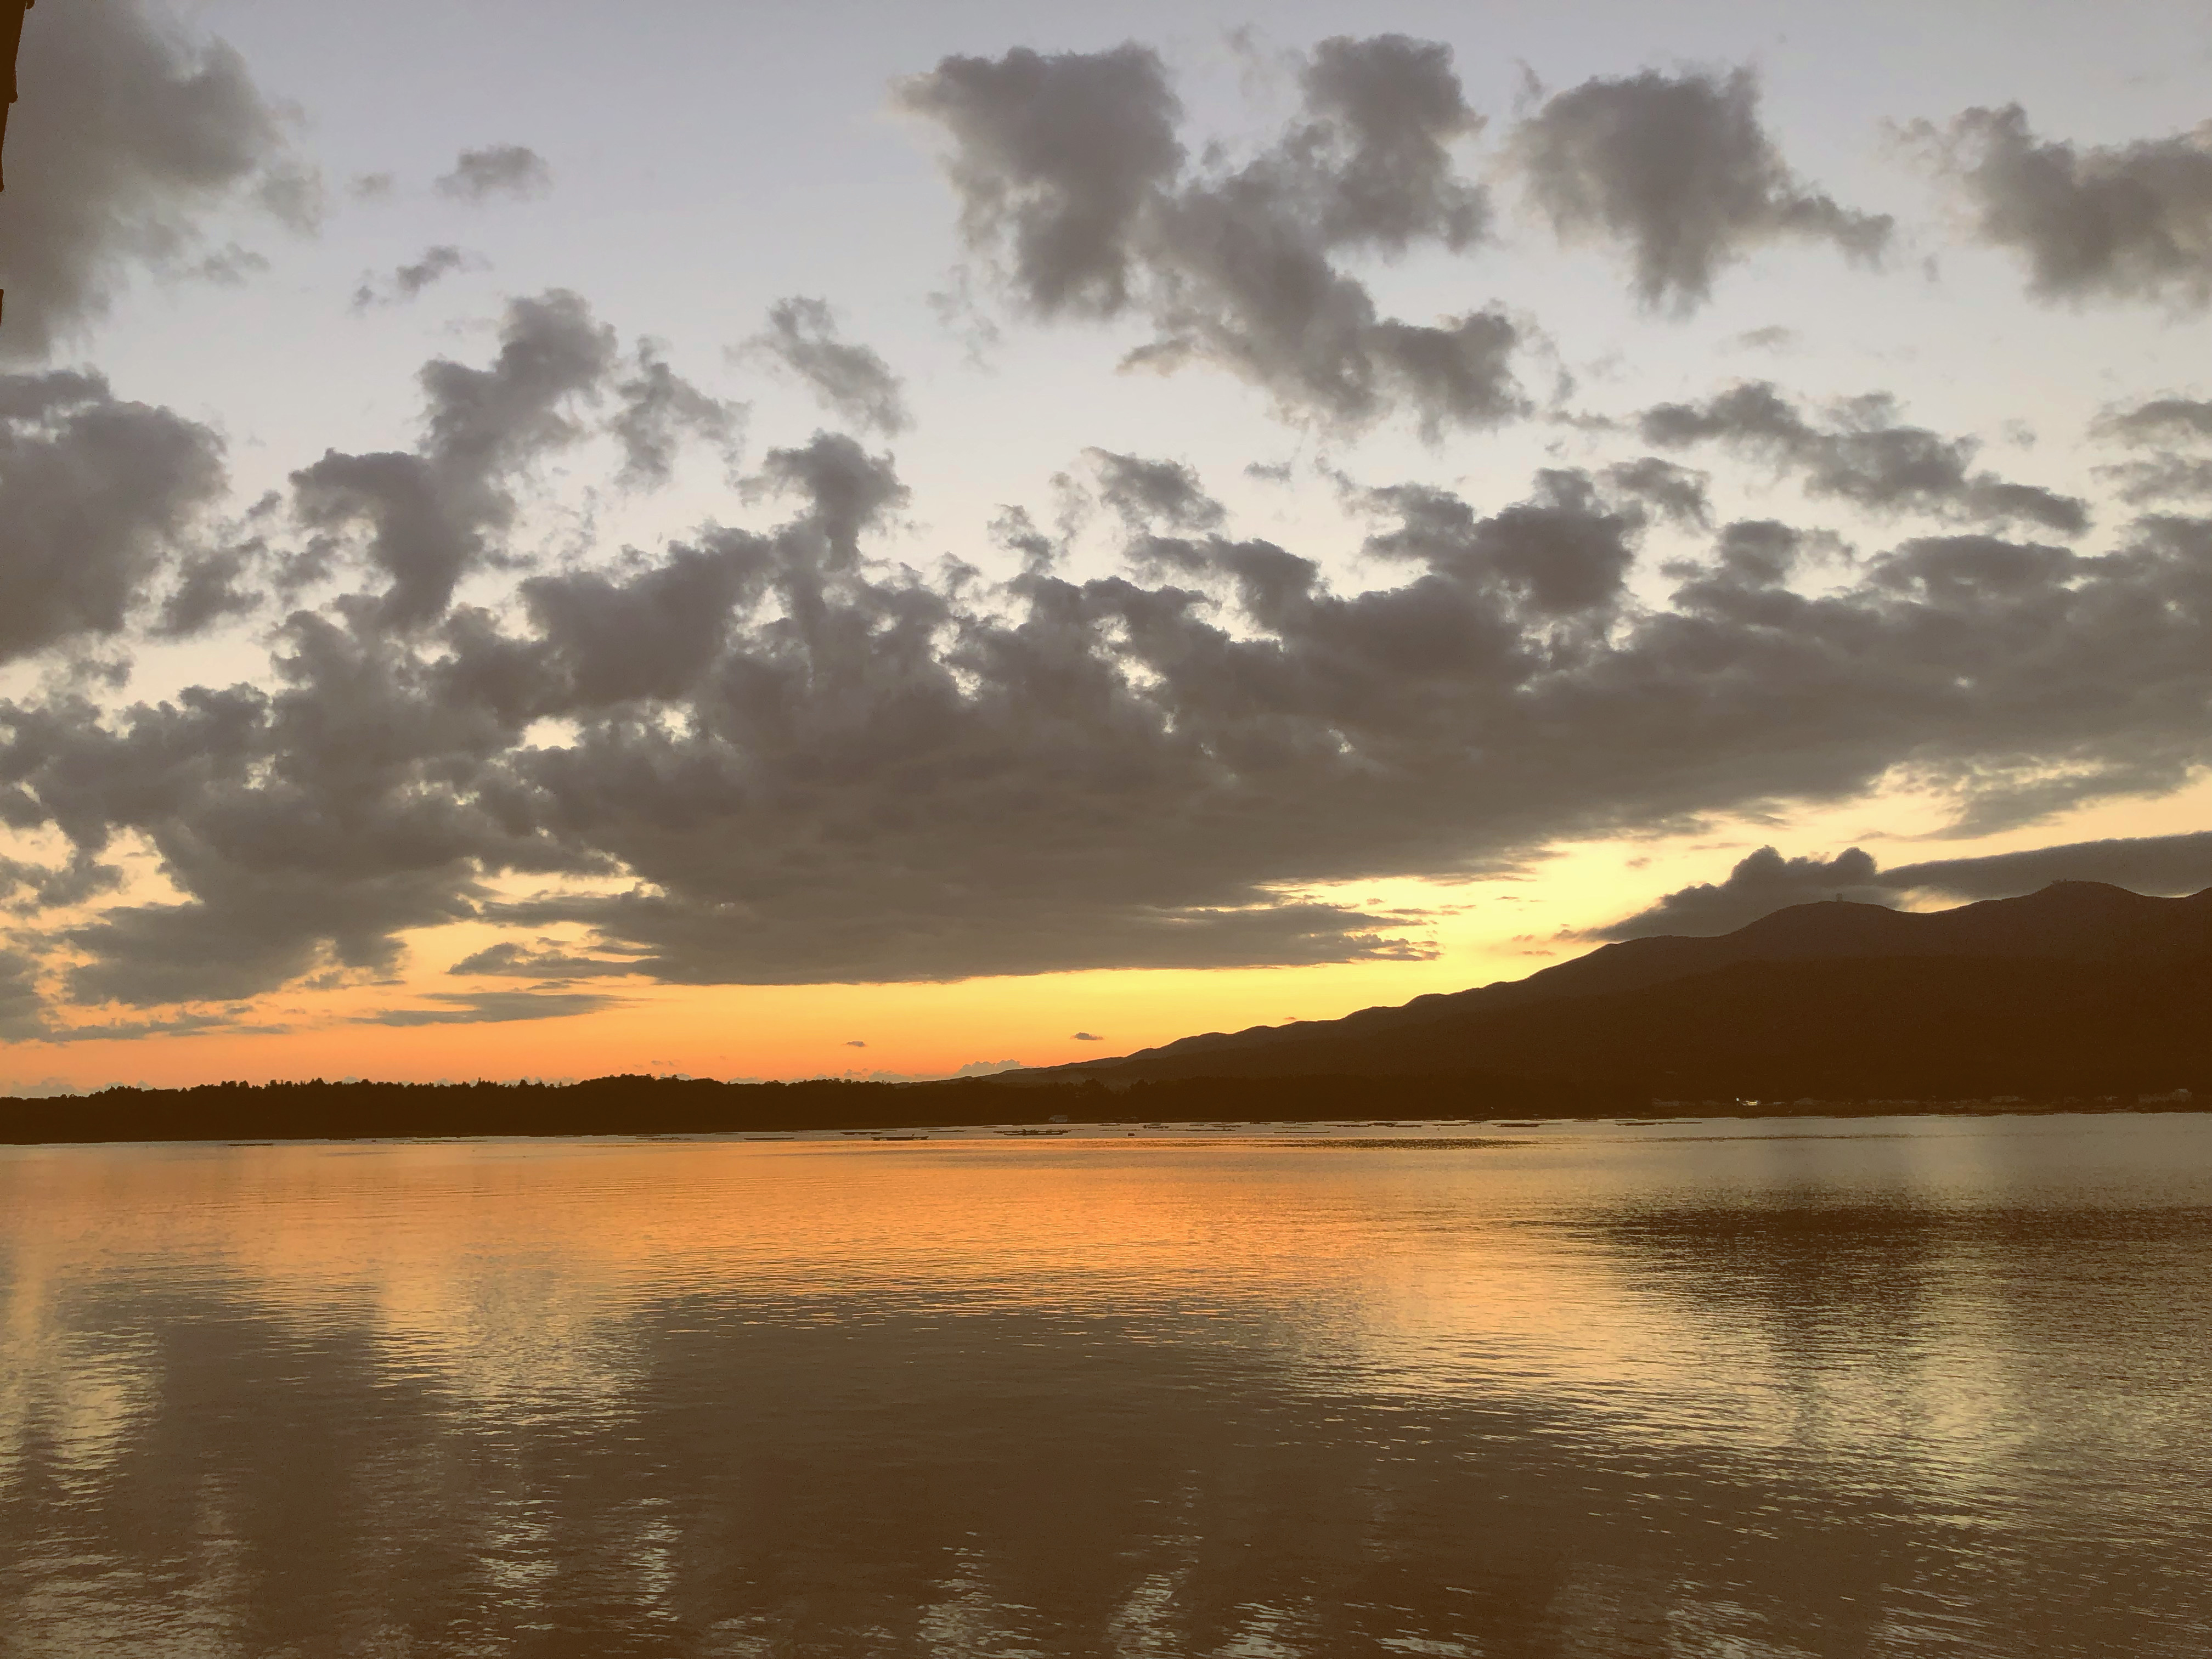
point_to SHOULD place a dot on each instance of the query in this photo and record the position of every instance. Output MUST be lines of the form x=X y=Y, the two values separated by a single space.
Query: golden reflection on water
x=1889 y=1387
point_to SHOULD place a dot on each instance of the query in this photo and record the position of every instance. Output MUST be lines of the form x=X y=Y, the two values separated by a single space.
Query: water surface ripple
x=1895 y=1387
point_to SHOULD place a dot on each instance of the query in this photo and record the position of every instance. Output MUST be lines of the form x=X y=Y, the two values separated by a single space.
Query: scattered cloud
x=1859 y=451
x=494 y=1008
x=851 y=380
x=514 y=172
x=1088 y=1036
x=1764 y=881
x=2117 y=221
x=130 y=135
x=1079 y=197
x=407 y=282
x=1678 y=171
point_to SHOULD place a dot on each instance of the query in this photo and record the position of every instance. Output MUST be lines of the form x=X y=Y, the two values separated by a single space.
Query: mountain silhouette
x=2081 y=988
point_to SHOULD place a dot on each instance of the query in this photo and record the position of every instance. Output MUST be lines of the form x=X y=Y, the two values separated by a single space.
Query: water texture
x=1881 y=1387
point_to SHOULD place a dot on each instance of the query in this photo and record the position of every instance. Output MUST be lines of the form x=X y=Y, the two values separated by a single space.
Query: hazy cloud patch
x=511 y=172
x=494 y=1008
x=408 y=282
x=850 y=381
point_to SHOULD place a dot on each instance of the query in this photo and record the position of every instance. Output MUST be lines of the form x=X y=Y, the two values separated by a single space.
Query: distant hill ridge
x=2063 y=954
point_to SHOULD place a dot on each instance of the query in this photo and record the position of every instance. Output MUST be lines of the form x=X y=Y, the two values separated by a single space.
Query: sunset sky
x=774 y=540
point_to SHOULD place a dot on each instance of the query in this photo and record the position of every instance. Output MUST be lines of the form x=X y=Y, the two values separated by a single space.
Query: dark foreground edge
x=639 y=1105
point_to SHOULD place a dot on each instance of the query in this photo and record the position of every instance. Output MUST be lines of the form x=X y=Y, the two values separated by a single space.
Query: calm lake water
x=1891 y=1387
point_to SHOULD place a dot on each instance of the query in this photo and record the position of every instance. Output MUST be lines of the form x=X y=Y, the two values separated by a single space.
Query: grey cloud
x=1674 y=492
x=1678 y=170
x=47 y=887
x=1761 y=883
x=372 y=186
x=127 y=134
x=784 y=758
x=2163 y=478
x=494 y=1008
x=1148 y=494
x=23 y=1012
x=1861 y=453
x=1088 y=1036
x=210 y=588
x=509 y=960
x=851 y=380
x=1058 y=160
x=94 y=492
x=1075 y=187
x=658 y=411
x=2159 y=418
x=408 y=282
x=1765 y=881
x=2162 y=473
x=2121 y=222
x=429 y=514
x=195 y=1023
x=514 y=170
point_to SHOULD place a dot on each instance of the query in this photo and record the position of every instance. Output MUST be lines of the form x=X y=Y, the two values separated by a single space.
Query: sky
x=772 y=541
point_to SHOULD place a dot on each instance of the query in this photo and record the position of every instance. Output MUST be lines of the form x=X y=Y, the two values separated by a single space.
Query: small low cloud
x=494 y=1008
x=851 y=380
x=856 y=1043
x=408 y=281
x=1764 y=881
x=1088 y=1036
x=515 y=172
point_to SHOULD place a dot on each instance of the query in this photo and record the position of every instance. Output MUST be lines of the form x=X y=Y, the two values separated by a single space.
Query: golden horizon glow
x=1482 y=931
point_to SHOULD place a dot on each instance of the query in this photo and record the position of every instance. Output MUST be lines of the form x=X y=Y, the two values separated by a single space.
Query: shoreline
x=1409 y=1131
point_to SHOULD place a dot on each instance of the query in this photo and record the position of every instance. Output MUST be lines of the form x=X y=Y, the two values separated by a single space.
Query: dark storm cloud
x=851 y=380
x=1860 y=452
x=1076 y=188
x=127 y=135
x=494 y=1008
x=2118 y=221
x=1678 y=170
x=94 y=492
x=407 y=282
x=513 y=171
x=1764 y=881
x=426 y=514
